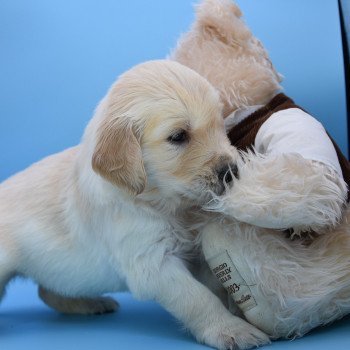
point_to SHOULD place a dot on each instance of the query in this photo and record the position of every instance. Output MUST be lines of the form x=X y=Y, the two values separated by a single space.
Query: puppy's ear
x=117 y=156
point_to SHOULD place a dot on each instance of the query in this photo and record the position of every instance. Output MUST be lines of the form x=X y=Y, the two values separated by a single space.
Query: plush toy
x=292 y=184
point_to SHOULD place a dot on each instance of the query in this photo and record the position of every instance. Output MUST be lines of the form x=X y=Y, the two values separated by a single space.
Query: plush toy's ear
x=117 y=156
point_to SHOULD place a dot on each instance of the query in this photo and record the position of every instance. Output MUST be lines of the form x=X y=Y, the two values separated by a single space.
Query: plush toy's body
x=284 y=287
x=286 y=137
x=282 y=127
x=271 y=279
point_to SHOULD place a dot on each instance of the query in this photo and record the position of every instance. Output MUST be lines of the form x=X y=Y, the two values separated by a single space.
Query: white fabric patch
x=294 y=131
x=239 y=115
x=226 y=272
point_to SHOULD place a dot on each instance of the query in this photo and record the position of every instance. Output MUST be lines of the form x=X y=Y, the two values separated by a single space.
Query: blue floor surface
x=26 y=323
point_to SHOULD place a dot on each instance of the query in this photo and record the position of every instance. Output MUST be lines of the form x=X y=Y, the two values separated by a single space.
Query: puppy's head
x=161 y=131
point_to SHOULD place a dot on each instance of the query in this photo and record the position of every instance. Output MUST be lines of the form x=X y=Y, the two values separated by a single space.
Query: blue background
x=57 y=60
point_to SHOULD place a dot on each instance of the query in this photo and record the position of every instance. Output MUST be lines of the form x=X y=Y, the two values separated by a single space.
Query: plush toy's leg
x=285 y=191
x=283 y=287
x=223 y=253
x=83 y=306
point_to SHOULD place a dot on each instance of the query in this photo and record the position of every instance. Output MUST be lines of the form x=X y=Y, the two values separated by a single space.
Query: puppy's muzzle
x=226 y=175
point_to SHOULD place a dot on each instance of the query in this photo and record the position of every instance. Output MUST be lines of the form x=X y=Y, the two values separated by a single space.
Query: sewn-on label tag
x=226 y=272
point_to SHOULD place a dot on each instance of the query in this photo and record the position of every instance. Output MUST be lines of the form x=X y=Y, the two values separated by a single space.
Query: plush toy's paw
x=225 y=256
x=233 y=333
x=236 y=276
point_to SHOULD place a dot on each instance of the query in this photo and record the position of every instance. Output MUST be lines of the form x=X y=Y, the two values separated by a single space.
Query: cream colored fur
x=305 y=286
x=220 y=47
x=284 y=191
x=104 y=216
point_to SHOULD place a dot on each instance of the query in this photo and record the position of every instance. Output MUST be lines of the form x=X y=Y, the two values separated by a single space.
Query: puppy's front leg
x=172 y=285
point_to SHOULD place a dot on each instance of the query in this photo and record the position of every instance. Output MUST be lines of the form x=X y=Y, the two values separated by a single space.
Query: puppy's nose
x=226 y=172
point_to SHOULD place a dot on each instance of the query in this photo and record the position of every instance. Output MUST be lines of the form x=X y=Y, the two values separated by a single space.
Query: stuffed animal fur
x=285 y=287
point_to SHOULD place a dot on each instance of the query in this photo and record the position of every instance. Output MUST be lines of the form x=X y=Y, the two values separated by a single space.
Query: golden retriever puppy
x=102 y=216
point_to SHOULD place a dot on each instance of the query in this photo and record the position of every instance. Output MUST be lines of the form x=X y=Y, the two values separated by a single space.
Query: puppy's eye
x=178 y=137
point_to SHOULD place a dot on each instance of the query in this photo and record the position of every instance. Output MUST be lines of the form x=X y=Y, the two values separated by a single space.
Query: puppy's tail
x=220 y=47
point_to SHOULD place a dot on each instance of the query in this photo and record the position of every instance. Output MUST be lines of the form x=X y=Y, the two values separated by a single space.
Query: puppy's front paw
x=233 y=333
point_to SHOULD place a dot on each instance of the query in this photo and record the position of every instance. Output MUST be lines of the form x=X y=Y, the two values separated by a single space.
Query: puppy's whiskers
x=199 y=157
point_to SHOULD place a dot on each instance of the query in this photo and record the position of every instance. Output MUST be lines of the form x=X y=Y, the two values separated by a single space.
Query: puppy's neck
x=160 y=203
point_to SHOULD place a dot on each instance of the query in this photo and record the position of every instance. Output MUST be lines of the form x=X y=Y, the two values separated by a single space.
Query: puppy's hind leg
x=82 y=306
x=4 y=279
x=7 y=272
